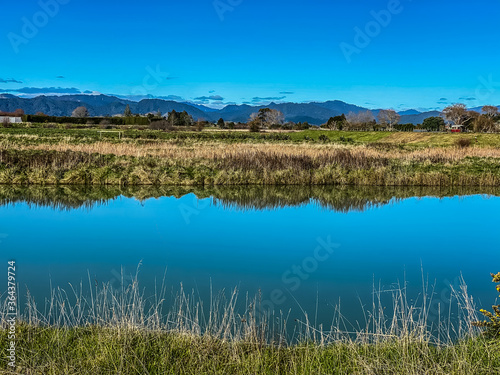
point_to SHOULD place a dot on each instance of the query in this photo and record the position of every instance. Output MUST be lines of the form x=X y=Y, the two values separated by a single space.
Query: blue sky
x=412 y=54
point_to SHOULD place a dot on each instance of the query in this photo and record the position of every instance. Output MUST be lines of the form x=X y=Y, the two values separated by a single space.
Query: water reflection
x=338 y=198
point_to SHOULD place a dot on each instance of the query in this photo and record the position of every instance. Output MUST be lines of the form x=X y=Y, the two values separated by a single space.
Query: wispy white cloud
x=44 y=90
x=269 y=98
x=9 y=80
x=208 y=98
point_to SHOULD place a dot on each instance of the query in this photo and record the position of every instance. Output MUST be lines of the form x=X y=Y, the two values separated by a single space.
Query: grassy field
x=38 y=135
x=101 y=350
x=313 y=157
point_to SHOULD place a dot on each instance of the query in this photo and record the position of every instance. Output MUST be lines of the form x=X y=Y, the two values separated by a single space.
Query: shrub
x=105 y=124
x=463 y=142
x=6 y=123
x=200 y=125
x=492 y=327
x=302 y=126
x=323 y=138
x=254 y=126
x=404 y=127
x=346 y=140
x=160 y=125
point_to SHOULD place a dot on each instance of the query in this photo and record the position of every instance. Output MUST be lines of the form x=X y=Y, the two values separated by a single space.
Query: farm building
x=10 y=119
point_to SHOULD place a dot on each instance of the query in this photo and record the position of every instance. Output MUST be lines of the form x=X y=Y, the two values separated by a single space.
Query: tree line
x=458 y=115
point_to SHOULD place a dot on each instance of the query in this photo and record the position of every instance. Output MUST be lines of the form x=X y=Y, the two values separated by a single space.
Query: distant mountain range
x=315 y=113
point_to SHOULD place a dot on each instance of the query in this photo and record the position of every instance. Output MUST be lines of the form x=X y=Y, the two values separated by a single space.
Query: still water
x=303 y=249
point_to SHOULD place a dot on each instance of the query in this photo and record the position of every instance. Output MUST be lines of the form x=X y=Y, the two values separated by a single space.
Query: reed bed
x=217 y=150
x=339 y=166
x=99 y=329
x=194 y=162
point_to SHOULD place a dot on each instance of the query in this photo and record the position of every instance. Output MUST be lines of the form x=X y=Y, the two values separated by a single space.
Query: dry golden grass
x=217 y=150
x=439 y=139
x=405 y=137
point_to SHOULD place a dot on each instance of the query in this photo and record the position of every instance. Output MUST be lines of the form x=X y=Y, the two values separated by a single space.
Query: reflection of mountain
x=337 y=198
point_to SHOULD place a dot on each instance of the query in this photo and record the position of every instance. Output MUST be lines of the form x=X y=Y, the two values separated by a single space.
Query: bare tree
x=267 y=117
x=484 y=124
x=388 y=117
x=352 y=121
x=360 y=121
x=80 y=112
x=352 y=118
x=457 y=114
x=275 y=117
x=490 y=110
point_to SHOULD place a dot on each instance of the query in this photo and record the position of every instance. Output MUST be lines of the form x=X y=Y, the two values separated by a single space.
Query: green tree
x=433 y=123
x=221 y=124
x=175 y=118
x=254 y=125
x=336 y=122
x=186 y=119
x=127 y=112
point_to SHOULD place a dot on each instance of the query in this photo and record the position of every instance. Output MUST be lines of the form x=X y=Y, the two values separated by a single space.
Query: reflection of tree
x=337 y=198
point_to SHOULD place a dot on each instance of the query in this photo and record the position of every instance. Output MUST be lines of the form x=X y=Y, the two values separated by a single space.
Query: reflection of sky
x=253 y=249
